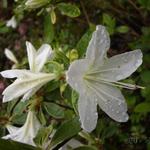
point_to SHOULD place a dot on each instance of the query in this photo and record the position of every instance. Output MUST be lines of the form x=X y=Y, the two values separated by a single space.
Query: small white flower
x=96 y=76
x=12 y=22
x=29 y=81
x=27 y=132
x=9 y=54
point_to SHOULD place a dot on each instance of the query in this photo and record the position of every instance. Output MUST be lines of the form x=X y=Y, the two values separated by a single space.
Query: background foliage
x=67 y=26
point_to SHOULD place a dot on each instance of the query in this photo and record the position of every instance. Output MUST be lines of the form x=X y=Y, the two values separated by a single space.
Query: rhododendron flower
x=27 y=132
x=28 y=82
x=96 y=79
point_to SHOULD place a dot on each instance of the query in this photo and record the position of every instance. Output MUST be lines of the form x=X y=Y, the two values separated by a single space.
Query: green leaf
x=54 y=110
x=143 y=107
x=69 y=9
x=122 y=29
x=12 y=145
x=42 y=136
x=85 y=148
x=67 y=130
x=48 y=29
x=110 y=23
x=145 y=76
x=84 y=41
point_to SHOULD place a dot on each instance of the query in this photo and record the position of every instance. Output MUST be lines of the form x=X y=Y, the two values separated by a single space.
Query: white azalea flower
x=27 y=132
x=12 y=22
x=9 y=54
x=96 y=78
x=29 y=81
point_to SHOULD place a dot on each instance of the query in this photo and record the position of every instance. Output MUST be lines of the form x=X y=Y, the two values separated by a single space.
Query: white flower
x=12 y=22
x=9 y=54
x=73 y=143
x=29 y=81
x=27 y=132
x=96 y=76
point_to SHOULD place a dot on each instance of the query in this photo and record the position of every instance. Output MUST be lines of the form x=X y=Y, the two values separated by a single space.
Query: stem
x=85 y=12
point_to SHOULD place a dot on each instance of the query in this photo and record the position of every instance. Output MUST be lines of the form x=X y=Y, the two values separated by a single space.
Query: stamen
x=114 y=83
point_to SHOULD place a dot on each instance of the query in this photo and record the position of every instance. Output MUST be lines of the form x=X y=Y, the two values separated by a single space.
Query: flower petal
x=9 y=54
x=76 y=73
x=21 y=86
x=11 y=129
x=27 y=132
x=87 y=111
x=31 y=55
x=16 y=73
x=31 y=92
x=111 y=101
x=121 y=66
x=43 y=54
x=98 y=45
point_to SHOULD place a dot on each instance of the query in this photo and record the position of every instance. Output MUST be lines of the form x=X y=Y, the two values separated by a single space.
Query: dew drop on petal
x=96 y=114
x=117 y=111
x=76 y=85
x=118 y=77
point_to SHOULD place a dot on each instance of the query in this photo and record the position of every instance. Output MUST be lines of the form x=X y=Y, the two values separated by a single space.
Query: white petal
x=12 y=22
x=16 y=73
x=98 y=45
x=11 y=129
x=9 y=54
x=31 y=55
x=31 y=92
x=73 y=143
x=75 y=74
x=87 y=111
x=111 y=101
x=21 y=86
x=43 y=54
x=121 y=66
x=27 y=132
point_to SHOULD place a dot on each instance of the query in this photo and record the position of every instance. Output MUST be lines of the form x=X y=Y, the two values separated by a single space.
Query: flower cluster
x=96 y=78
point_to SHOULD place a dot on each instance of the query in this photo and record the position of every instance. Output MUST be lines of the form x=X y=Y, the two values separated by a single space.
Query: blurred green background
x=68 y=25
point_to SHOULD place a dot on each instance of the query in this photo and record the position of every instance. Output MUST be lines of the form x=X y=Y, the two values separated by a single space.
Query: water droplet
x=118 y=77
x=102 y=31
x=96 y=114
x=101 y=41
x=76 y=85
x=119 y=103
x=96 y=100
x=138 y=62
x=125 y=60
x=117 y=111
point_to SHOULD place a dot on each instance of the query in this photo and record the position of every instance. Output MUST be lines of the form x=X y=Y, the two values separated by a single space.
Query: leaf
x=145 y=76
x=12 y=145
x=122 y=29
x=143 y=107
x=69 y=9
x=42 y=136
x=48 y=29
x=85 y=148
x=67 y=130
x=110 y=23
x=53 y=16
x=54 y=110
x=84 y=41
